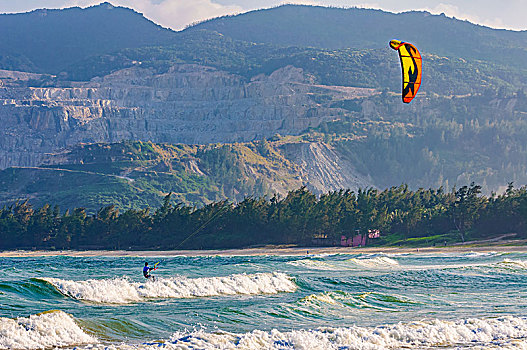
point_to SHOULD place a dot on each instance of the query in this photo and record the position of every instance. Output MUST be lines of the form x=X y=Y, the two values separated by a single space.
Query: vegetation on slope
x=135 y=175
x=438 y=141
x=433 y=142
x=345 y=46
x=47 y=41
x=338 y=28
x=369 y=68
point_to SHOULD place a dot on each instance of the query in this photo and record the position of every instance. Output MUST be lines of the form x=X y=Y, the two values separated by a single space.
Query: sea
x=447 y=300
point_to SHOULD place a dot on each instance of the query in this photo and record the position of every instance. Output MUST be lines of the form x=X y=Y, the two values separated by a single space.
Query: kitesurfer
x=146 y=272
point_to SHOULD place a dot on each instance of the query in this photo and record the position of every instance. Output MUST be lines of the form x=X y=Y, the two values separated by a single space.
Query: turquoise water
x=355 y=301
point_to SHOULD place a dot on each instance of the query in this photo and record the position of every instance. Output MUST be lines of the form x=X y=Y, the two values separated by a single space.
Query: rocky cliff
x=322 y=169
x=187 y=104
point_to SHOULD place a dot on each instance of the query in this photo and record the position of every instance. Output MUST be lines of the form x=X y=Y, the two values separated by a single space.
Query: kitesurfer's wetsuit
x=146 y=272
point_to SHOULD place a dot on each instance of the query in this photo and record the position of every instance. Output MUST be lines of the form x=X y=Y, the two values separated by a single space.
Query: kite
x=411 y=65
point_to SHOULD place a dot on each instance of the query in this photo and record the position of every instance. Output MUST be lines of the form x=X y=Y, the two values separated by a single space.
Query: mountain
x=50 y=41
x=47 y=41
x=224 y=115
x=337 y=28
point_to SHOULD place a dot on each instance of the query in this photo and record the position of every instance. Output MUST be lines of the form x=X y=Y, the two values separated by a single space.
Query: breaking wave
x=314 y=264
x=481 y=254
x=122 y=290
x=58 y=329
x=500 y=333
x=46 y=330
x=376 y=262
x=513 y=264
x=504 y=266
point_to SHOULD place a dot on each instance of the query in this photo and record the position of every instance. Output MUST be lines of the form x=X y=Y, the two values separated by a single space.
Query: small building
x=359 y=241
x=372 y=234
x=320 y=239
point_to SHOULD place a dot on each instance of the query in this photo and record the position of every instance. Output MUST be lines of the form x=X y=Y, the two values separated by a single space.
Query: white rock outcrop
x=188 y=104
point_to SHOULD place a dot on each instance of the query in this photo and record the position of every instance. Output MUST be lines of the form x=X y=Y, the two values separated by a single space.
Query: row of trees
x=398 y=212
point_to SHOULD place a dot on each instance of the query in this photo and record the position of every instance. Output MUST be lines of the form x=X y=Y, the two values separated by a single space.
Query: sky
x=177 y=14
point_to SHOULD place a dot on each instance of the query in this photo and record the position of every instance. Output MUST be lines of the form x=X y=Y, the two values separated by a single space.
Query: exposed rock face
x=9 y=76
x=323 y=170
x=188 y=104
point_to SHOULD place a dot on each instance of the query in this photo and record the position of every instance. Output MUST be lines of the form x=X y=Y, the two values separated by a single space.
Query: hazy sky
x=176 y=14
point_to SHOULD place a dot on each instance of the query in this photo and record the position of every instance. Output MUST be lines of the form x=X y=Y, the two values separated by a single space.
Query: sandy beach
x=509 y=246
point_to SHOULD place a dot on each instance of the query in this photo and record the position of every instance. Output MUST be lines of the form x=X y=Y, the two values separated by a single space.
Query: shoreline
x=510 y=247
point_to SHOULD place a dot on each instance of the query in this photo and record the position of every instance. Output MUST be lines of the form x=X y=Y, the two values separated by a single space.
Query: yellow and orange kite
x=411 y=65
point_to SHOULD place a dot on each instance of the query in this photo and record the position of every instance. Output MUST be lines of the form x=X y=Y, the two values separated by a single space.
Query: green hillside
x=438 y=141
x=100 y=39
x=337 y=28
x=370 y=68
x=46 y=41
x=138 y=174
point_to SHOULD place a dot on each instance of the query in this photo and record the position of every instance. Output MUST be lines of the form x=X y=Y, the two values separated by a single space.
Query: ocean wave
x=60 y=330
x=472 y=254
x=46 y=330
x=513 y=264
x=505 y=266
x=122 y=290
x=314 y=265
x=376 y=262
x=342 y=299
x=331 y=298
x=500 y=333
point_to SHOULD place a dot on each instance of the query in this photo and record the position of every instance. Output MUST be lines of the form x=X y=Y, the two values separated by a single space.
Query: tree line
x=401 y=214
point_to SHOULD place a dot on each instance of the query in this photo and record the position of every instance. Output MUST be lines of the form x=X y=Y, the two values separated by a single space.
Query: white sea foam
x=513 y=264
x=325 y=298
x=314 y=265
x=46 y=330
x=122 y=290
x=505 y=264
x=500 y=333
x=376 y=262
x=432 y=334
x=480 y=254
